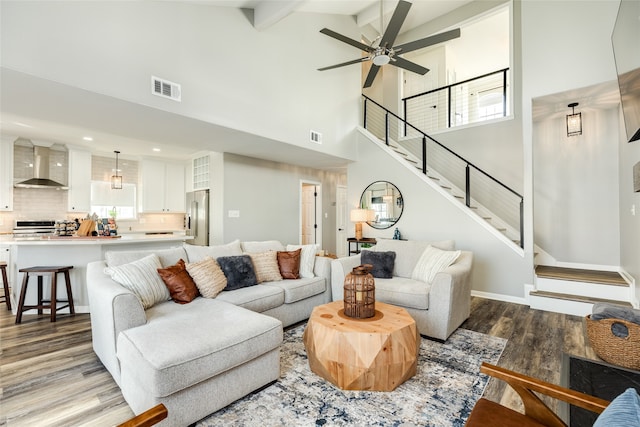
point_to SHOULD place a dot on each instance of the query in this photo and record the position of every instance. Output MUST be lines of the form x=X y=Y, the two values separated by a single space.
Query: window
x=105 y=201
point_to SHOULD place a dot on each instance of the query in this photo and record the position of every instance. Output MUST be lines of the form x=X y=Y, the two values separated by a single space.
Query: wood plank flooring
x=49 y=375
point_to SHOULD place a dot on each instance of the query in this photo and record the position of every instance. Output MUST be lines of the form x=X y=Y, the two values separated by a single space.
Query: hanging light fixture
x=116 y=180
x=574 y=121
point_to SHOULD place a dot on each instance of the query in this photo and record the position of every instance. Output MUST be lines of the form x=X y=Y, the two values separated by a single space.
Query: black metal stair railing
x=488 y=191
x=470 y=101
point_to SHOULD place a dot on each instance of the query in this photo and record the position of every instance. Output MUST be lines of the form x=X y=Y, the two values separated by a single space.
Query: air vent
x=165 y=88
x=316 y=137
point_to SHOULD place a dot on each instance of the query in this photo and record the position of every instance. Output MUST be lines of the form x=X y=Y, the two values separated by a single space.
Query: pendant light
x=116 y=180
x=574 y=121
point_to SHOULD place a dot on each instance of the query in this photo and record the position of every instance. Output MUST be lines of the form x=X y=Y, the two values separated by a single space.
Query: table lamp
x=359 y=216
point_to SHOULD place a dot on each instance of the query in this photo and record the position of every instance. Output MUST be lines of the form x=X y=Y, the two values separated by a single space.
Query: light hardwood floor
x=49 y=375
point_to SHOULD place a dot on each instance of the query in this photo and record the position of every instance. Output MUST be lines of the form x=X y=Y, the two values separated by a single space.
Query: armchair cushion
x=382 y=263
x=624 y=410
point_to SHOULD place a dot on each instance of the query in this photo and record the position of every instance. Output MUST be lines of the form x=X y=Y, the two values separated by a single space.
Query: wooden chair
x=148 y=418
x=488 y=413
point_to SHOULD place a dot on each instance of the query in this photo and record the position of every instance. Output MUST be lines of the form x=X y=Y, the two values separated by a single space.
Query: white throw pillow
x=431 y=262
x=141 y=277
x=307 y=258
x=198 y=253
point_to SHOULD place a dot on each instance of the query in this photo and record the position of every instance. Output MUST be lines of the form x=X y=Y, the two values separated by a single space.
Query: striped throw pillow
x=431 y=262
x=208 y=276
x=266 y=267
x=141 y=277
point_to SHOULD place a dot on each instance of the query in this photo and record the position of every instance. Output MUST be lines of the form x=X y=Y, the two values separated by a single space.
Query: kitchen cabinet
x=79 y=197
x=6 y=173
x=162 y=187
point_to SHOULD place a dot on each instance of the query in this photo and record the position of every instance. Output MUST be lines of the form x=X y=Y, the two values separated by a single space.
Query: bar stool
x=5 y=282
x=53 y=302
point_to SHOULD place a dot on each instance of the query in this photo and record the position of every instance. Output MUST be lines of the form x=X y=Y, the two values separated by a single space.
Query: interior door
x=341 y=221
x=308 y=234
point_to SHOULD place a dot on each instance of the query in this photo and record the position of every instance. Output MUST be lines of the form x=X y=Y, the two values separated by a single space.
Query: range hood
x=41 y=172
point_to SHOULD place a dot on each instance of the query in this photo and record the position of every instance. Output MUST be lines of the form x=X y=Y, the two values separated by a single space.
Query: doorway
x=311 y=213
x=341 y=221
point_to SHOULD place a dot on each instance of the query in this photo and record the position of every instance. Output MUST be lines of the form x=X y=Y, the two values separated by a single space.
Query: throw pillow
x=382 y=263
x=307 y=258
x=262 y=246
x=239 y=271
x=431 y=262
x=141 y=277
x=181 y=286
x=289 y=264
x=624 y=410
x=266 y=267
x=208 y=276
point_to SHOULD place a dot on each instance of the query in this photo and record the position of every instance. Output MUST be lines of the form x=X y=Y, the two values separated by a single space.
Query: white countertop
x=72 y=240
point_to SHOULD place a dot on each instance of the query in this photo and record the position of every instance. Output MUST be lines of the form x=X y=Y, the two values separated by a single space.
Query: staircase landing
x=574 y=291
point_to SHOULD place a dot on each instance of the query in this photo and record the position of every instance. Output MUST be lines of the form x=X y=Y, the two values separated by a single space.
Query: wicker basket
x=620 y=351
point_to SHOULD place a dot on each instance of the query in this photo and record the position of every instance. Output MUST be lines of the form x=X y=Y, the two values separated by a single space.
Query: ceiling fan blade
x=347 y=40
x=371 y=76
x=428 y=41
x=408 y=65
x=397 y=19
x=355 y=61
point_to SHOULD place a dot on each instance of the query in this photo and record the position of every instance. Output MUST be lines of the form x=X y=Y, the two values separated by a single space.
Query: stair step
x=486 y=218
x=445 y=187
x=581 y=275
x=458 y=197
x=435 y=178
x=577 y=298
x=411 y=161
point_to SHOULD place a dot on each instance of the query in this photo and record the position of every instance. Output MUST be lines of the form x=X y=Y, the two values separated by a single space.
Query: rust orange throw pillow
x=181 y=286
x=289 y=264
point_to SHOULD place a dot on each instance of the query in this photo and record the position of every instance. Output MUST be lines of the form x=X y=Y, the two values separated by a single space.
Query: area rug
x=442 y=393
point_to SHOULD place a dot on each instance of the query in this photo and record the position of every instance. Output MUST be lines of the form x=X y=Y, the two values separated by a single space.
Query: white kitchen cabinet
x=162 y=187
x=6 y=173
x=79 y=197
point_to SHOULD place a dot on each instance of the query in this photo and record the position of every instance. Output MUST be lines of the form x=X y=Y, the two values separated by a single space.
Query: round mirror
x=386 y=201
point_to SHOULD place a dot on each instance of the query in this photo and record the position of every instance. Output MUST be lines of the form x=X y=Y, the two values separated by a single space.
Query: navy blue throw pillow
x=382 y=262
x=239 y=271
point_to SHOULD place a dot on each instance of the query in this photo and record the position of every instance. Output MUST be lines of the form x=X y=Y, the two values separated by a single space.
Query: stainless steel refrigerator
x=197 y=220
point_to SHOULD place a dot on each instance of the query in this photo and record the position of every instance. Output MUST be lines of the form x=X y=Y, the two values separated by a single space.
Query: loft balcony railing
x=477 y=185
x=470 y=101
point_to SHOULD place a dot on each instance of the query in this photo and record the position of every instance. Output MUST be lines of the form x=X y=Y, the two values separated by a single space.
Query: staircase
x=574 y=291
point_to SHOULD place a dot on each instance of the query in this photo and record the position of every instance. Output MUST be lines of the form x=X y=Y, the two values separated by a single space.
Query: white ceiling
x=38 y=109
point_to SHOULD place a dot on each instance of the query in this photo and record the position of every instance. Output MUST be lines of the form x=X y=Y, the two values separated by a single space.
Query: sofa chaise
x=439 y=306
x=197 y=357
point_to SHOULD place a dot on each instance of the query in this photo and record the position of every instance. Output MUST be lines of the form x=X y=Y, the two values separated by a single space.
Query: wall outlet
x=234 y=214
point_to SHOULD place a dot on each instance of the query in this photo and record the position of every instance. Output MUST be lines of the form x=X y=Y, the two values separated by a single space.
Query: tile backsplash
x=37 y=203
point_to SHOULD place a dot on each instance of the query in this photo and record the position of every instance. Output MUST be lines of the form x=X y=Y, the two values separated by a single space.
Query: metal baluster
x=424 y=154
x=468 y=185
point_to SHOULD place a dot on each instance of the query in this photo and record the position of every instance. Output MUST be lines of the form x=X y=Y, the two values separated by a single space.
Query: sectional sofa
x=199 y=356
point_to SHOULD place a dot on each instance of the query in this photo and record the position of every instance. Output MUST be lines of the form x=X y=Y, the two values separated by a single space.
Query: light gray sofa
x=198 y=357
x=439 y=307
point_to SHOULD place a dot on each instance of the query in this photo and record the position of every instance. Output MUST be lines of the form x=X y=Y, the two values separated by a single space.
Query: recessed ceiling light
x=156 y=149
x=87 y=138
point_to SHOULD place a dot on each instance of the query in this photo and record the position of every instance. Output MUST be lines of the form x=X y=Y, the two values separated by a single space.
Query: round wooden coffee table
x=378 y=353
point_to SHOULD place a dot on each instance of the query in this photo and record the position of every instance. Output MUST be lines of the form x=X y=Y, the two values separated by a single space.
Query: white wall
x=576 y=206
x=267 y=196
x=427 y=215
x=262 y=82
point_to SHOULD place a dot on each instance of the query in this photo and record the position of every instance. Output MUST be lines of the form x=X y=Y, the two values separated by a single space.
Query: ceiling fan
x=385 y=52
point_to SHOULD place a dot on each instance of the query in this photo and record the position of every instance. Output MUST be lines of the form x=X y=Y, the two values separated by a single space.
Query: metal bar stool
x=5 y=282
x=51 y=304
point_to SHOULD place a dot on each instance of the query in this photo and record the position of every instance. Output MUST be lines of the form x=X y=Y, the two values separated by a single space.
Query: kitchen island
x=76 y=251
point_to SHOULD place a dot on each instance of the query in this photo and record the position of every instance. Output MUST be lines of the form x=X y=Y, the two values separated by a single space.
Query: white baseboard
x=499 y=297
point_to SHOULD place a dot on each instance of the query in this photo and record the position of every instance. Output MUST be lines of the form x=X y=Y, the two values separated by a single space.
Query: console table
x=358 y=243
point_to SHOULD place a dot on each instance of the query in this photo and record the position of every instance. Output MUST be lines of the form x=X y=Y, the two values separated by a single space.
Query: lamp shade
x=361 y=215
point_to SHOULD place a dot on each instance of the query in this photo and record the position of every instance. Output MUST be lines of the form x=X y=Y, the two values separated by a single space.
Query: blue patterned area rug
x=442 y=393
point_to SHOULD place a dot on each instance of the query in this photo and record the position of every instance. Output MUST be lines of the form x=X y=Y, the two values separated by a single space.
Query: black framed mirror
x=386 y=201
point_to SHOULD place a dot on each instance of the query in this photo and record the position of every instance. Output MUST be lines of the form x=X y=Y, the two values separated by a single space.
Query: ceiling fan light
x=380 y=60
